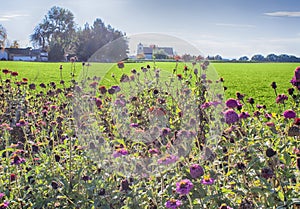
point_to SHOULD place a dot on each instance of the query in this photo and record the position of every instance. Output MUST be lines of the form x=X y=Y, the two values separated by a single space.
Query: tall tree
x=95 y=38
x=3 y=36
x=57 y=30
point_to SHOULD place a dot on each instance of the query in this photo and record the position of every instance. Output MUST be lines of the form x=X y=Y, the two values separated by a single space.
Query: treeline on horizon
x=59 y=35
x=258 y=58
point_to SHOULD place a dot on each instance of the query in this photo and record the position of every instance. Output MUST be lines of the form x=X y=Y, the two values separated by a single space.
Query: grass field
x=251 y=79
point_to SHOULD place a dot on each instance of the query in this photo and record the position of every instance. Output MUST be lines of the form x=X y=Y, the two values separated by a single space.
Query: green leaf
x=281 y=195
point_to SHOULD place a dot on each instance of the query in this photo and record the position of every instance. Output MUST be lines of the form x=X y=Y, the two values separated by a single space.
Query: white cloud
x=283 y=14
x=235 y=25
x=11 y=16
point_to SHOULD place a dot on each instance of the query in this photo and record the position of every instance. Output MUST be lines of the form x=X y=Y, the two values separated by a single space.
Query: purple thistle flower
x=267 y=173
x=281 y=98
x=231 y=103
x=134 y=125
x=120 y=152
x=196 y=171
x=165 y=132
x=244 y=115
x=207 y=180
x=4 y=205
x=184 y=186
x=206 y=105
x=17 y=160
x=231 y=116
x=289 y=114
x=173 y=204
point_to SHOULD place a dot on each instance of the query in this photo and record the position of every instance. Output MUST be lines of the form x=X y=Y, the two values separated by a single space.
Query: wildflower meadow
x=146 y=138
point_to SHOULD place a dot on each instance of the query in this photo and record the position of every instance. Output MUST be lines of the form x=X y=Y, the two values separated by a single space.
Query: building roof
x=23 y=51
x=167 y=50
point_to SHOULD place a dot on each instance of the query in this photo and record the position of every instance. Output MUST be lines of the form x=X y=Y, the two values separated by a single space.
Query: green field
x=251 y=79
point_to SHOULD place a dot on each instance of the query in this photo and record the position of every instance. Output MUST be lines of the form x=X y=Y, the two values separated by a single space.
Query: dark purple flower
x=184 y=186
x=207 y=180
x=231 y=116
x=281 y=98
x=120 y=64
x=134 y=125
x=274 y=86
x=16 y=160
x=154 y=151
x=4 y=205
x=116 y=88
x=251 y=100
x=291 y=91
x=173 y=204
x=196 y=171
x=120 y=152
x=231 y=103
x=206 y=105
x=244 y=115
x=297 y=73
x=240 y=96
x=267 y=173
x=165 y=132
x=22 y=123
x=289 y=114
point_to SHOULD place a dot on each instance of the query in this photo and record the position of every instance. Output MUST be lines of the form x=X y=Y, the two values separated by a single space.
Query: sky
x=230 y=28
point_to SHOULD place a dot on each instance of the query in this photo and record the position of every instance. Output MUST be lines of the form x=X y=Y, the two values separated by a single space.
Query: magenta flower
x=206 y=105
x=120 y=152
x=207 y=180
x=281 y=98
x=154 y=151
x=2 y=195
x=289 y=114
x=184 y=186
x=173 y=204
x=16 y=160
x=196 y=171
x=4 y=205
x=134 y=125
x=231 y=103
x=244 y=115
x=231 y=116
x=22 y=123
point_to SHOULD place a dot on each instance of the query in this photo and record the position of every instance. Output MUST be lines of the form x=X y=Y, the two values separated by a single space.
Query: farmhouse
x=144 y=52
x=23 y=54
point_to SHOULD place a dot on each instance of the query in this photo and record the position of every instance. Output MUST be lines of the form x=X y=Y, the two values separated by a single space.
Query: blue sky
x=231 y=28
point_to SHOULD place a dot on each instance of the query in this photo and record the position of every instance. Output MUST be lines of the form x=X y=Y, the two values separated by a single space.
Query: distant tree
x=92 y=39
x=187 y=57
x=243 y=58
x=3 y=36
x=272 y=58
x=258 y=58
x=283 y=58
x=56 y=29
x=218 y=57
x=56 y=53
